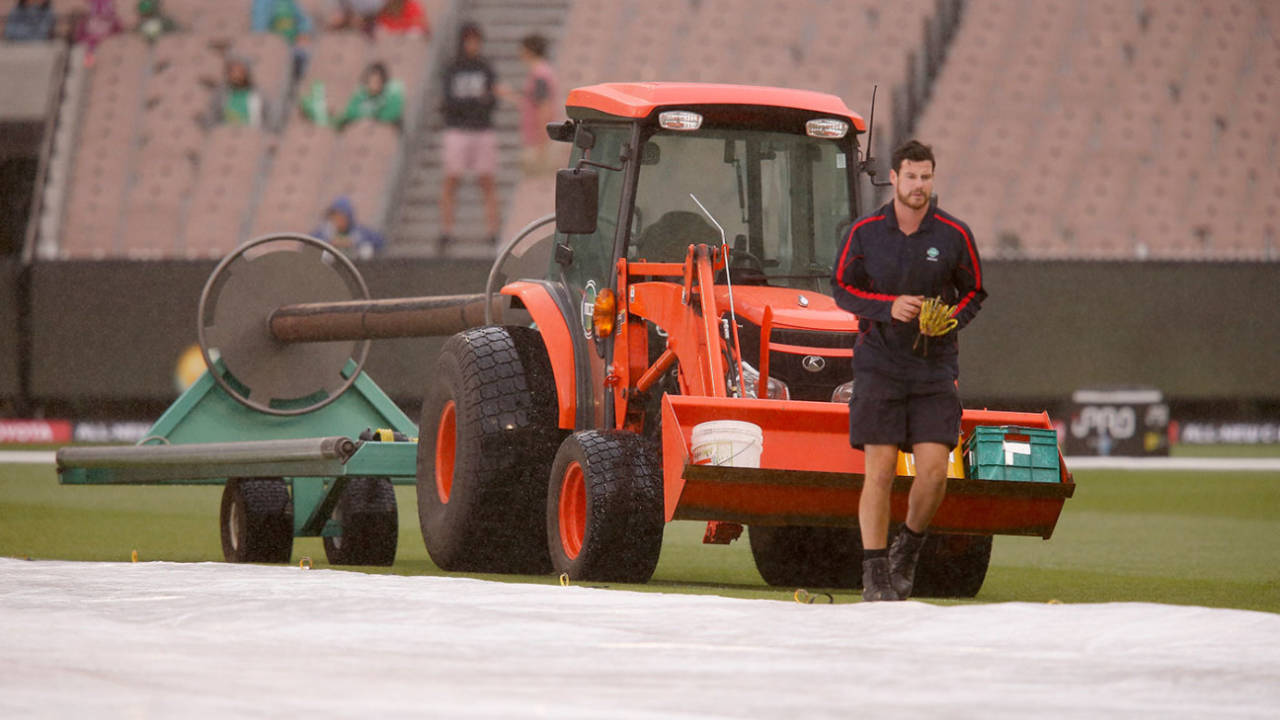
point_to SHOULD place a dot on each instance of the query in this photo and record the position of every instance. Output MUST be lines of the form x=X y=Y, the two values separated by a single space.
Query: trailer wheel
x=604 y=507
x=807 y=556
x=370 y=524
x=256 y=521
x=952 y=565
x=489 y=433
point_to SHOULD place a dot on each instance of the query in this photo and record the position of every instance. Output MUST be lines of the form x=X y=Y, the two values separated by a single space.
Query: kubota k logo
x=813 y=363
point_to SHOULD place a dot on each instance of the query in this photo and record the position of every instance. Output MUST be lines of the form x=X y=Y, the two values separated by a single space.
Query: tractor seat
x=667 y=239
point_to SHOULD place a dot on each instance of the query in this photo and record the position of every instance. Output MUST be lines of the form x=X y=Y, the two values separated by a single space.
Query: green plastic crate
x=1008 y=452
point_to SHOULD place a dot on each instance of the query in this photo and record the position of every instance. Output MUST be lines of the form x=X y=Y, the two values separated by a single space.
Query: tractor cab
x=771 y=172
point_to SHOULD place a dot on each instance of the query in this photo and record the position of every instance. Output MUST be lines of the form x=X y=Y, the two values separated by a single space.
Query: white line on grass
x=1168 y=463
x=26 y=457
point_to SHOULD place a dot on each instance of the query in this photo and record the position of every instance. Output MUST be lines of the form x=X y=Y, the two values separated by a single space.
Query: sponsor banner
x=1130 y=421
x=34 y=432
x=1229 y=433
x=57 y=432
x=111 y=432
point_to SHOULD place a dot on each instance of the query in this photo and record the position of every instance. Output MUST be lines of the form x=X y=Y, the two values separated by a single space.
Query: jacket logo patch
x=932 y=254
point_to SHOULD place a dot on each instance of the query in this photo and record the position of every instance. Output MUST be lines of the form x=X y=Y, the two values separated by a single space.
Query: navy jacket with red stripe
x=878 y=263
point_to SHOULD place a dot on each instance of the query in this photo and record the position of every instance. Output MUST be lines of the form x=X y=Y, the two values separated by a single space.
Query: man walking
x=893 y=262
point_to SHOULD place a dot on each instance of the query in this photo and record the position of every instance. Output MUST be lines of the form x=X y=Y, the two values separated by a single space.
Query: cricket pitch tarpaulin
x=216 y=640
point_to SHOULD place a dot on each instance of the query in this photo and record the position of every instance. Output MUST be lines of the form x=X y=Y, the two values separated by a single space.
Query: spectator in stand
x=100 y=23
x=236 y=101
x=402 y=17
x=378 y=97
x=29 y=20
x=470 y=143
x=340 y=229
x=537 y=104
x=152 y=21
x=286 y=19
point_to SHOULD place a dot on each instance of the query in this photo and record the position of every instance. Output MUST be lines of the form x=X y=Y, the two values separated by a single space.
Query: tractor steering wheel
x=746 y=268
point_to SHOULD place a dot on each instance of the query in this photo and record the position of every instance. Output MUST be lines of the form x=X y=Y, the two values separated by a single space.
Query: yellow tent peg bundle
x=935 y=317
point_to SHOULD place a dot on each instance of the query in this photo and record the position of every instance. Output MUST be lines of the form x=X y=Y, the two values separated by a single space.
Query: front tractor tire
x=256 y=521
x=489 y=434
x=807 y=557
x=605 y=507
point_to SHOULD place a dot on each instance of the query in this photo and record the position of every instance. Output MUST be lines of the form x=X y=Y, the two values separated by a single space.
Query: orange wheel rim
x=573 y=510
x=446 y=450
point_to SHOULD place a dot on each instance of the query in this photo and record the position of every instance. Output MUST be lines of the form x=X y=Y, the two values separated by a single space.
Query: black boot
x=875 y=580
x=904 y=553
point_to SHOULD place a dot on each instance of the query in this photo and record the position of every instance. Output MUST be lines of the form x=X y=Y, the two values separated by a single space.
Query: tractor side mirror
x=577 y=201
x=561 y=131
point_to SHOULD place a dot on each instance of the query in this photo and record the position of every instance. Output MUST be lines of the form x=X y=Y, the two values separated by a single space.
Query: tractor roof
x=638 y=100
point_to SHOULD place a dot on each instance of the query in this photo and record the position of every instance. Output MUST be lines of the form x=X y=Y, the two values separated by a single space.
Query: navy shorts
x=890 y=411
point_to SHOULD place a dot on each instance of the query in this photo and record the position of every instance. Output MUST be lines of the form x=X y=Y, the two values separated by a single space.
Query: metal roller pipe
x=211 y=454
x=378 y=319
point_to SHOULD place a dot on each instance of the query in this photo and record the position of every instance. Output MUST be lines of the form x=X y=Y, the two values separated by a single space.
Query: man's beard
x=906 y=200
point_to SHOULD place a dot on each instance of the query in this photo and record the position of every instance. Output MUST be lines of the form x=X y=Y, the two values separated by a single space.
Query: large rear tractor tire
x=952 y=565
x=489 y=434
x=256 y=521
x=808 y=557
x=370 y=524
x=604 y=507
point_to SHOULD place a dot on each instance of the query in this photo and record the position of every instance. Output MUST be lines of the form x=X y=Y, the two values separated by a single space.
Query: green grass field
x=1192 y=538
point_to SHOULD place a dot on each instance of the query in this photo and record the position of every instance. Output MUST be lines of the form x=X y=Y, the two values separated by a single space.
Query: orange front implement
x=809 y=475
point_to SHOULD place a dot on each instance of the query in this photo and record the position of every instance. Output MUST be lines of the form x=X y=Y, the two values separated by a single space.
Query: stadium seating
x=1111 y=129
x=152 y=177
x=1114 y=128
x=224 y=191
x=107 y=128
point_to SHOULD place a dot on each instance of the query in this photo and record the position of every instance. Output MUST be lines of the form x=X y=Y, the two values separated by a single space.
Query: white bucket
x=727 y=442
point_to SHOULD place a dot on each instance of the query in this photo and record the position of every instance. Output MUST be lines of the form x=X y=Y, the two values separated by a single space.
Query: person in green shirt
x=236 y=101
x=378 y=97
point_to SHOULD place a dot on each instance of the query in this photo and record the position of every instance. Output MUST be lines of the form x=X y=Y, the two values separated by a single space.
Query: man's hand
x=906 y=307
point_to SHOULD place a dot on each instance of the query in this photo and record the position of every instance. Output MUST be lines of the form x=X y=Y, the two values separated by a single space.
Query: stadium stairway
x=415 y=217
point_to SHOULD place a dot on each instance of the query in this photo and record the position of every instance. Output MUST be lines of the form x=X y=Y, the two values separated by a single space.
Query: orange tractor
x=685 y=288
x=688 y=281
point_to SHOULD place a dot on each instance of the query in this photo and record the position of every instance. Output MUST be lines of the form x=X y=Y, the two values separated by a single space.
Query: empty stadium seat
x=291 y=200
x=224 y=190
x=361 y=168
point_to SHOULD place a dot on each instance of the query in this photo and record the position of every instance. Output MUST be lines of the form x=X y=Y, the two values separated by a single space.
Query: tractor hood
x=798 y=309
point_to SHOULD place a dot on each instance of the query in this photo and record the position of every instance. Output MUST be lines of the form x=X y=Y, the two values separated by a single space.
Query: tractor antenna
x=868 y=165
x=733 y=318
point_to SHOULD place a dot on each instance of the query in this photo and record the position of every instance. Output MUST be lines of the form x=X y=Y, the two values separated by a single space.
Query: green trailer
x=284 y=477
x=302 y=439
